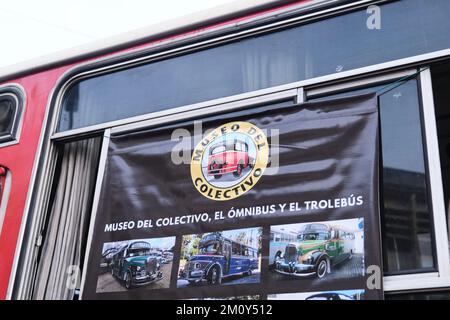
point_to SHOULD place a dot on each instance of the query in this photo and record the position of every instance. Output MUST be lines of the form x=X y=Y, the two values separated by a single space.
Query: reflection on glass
x=6 y=116
x=319 y=48
x=406 y=214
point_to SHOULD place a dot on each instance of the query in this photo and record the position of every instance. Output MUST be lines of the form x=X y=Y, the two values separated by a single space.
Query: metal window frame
x=95 y=201
x=17 y=93
x=45 y=159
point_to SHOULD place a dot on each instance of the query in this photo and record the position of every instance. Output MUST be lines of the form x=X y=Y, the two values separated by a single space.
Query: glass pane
x=7 y=111
x=406 y=215
x=324 y=47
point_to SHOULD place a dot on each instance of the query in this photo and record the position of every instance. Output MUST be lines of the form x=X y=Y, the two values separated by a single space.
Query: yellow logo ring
x=237 y=151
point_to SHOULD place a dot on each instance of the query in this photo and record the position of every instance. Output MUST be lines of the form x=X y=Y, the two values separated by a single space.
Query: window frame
x=15 y=92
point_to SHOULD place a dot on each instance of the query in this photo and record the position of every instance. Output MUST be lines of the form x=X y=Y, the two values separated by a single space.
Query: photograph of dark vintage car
x=212 y=258
x=348 y=295
x=329 y=296
x=318 y=248
x=135 y=263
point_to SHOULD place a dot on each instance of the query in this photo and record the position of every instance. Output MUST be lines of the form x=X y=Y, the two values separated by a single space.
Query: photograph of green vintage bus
x=329 y=249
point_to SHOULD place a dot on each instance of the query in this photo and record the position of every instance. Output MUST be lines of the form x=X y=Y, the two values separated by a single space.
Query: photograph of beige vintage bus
x=323 y=249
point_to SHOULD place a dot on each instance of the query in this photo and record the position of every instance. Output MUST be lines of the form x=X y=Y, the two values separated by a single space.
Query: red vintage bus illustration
x=228 y=157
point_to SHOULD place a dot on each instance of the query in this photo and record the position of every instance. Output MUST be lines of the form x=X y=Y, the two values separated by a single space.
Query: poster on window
x=278 y=201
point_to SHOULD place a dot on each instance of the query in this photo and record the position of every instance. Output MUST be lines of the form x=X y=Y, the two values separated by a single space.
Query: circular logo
x=229 y=160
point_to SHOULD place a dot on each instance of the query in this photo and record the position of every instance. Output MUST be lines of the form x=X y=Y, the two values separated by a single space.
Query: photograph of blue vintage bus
x=226 y=257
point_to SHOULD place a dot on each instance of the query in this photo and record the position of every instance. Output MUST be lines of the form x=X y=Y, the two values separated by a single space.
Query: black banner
x=273 y=202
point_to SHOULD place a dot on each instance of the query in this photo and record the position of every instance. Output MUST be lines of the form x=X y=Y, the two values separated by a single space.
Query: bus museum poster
x=274 y=202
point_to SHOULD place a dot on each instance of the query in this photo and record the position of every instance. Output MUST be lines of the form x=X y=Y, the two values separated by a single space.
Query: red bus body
x=228 y=158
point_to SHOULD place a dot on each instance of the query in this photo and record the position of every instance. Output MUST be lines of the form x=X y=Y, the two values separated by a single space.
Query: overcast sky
x=32 y=28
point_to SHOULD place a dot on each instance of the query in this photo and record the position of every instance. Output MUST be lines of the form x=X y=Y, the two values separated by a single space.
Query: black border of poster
x=138 y=175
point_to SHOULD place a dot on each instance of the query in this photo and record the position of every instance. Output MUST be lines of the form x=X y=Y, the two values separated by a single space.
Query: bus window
x=7 y=111
x=10 y=112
